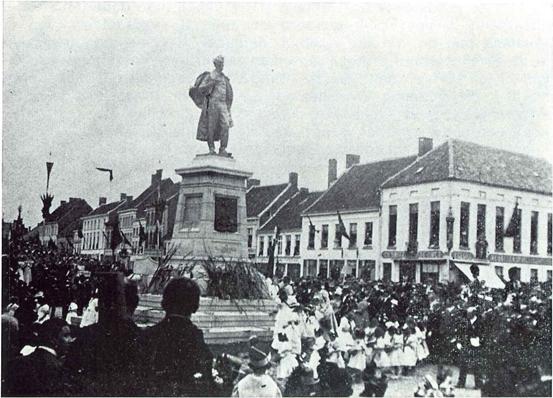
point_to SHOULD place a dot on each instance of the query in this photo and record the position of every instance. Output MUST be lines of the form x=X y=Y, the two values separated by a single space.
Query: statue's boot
x=223 y=152
x=212 y=151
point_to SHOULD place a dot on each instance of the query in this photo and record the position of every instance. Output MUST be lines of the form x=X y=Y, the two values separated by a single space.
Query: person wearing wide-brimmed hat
x=257 y=383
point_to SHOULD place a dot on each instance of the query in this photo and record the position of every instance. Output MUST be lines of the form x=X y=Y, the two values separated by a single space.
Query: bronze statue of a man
x=212 y=93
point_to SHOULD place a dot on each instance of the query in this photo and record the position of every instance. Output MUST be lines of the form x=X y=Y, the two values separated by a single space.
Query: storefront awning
x=487 y=274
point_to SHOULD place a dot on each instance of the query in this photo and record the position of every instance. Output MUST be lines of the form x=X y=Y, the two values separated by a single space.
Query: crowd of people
x=379 y=331
x=328 y=336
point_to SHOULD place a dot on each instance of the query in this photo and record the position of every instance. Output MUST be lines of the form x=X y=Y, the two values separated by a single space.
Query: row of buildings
x=426 y=216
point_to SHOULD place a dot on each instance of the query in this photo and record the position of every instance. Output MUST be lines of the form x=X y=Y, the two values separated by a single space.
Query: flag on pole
x=110 y=171
x=342 y=228
x=49 y=166
x=141 y=234
x=514 y=223
x=311 y=226
x=272 y=247
x=125 y=239
x=116 y=238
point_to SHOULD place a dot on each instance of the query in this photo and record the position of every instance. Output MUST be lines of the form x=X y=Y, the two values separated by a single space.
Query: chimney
x=103 y=200
x=253 y=182
x=62 y=202
x=425 y=145
x=332 y=171
x=73 y=199
x=156 y=178
x=352 y=160
x=293 y=179
x=129 y=198
x=304 y=191
x=123 y=196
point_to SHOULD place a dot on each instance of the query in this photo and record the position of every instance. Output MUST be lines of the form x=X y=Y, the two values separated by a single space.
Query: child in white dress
x=358 y=355
x=396 y=352
x=381 y=358
x=409 y=358
x=422 y=347
x=344 y=340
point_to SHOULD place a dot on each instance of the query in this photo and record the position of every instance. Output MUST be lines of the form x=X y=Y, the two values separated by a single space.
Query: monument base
x=210 y=219
x=222 y=321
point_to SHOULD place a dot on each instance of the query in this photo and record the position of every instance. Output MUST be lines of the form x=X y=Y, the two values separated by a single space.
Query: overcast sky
x=106 y=85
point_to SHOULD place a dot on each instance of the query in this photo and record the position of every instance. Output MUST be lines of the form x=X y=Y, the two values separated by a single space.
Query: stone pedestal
x=211 y=211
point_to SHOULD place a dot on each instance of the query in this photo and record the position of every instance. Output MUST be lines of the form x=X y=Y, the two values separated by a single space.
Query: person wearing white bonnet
x=71 y=313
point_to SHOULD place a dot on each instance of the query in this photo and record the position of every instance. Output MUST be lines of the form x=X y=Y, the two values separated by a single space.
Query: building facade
x=96 y=228
x=288 y=223
x=59 y=226
x=355 y=195
x=451 y=208
x=262 y=203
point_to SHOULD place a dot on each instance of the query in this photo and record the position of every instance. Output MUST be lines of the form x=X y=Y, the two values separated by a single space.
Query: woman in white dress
x=90 y=316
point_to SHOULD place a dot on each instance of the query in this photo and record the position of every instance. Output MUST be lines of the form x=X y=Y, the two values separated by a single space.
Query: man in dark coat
x=471 y=341
x=178 y=359
x=107 y=356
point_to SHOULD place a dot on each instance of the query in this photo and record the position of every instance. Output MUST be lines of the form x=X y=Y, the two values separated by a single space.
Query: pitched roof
x=259 y=197
x=104 y=209
x=167 y=188
x=467 y=161
x=68 y=215
x=357 y=188
x=289 y=216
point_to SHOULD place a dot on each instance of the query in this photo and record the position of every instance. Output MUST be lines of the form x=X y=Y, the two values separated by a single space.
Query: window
x=392 y=226
x=413 y=222
x=549 y=234
x=311 y=241
x=279 y=245
x=353 y=235
x=464 y=225
x=288 y=247
x=323 y=268
x=226 y=214
x=309 y=267
x=261 y=246
x=534 y=233
x=324 y=236
x=297 y=245
x=352 y=267
x=481 y=221
x=533 y=275
x=336 y=268
x=192 y=208
x=434 y=224
x=387 y=272
x=499 y=228
x=516 y=238
x=499 y=271
x=337 y=237
x=368 y=234
x=367 y=269
x=250 y=237
x=549 y=275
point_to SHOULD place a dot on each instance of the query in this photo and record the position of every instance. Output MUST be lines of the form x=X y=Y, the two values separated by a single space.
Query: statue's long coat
x=200 y=95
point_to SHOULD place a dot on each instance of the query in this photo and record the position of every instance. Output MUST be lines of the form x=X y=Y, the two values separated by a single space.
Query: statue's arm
x=207 y=84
